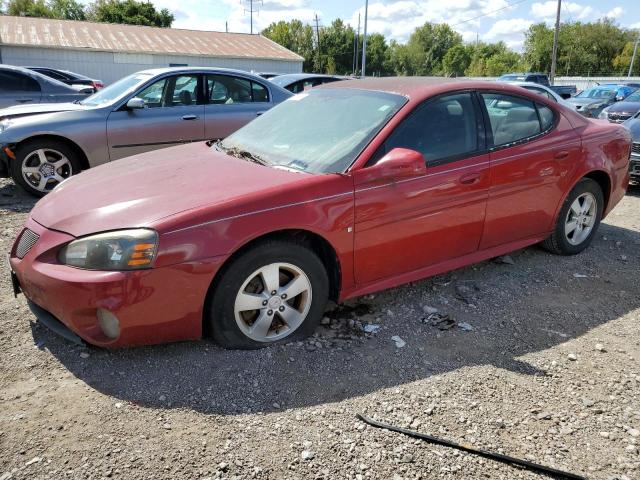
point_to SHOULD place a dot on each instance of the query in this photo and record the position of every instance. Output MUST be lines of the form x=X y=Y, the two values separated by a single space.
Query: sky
x=487 y=20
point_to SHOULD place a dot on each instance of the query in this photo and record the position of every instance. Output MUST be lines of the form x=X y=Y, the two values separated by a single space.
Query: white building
x=108 y=52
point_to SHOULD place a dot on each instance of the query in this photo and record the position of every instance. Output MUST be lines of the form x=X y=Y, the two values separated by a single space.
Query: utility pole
x=355 y=70
x=554 y=55
x=633 y=57
x=364 y=41
x=318 y=43
x=251 y=9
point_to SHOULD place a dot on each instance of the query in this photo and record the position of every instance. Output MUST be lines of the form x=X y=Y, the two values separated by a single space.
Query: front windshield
x=320 y=131
x=116 y=90
x=597 y=92
x=634 y=97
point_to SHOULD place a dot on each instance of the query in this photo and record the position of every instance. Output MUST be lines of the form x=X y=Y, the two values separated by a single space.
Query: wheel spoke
x=295 y=287
x=42 y=183
x=261 y=326
x=570 y=226
x=249 y=301
x=31 y=170
x=292 y=317
x=271 y=277
x=576 y=207
x=41 y=156
x=586 y=205
x=63 y=161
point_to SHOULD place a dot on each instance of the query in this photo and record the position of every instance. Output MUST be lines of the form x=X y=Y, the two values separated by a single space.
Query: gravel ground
x=534 y=355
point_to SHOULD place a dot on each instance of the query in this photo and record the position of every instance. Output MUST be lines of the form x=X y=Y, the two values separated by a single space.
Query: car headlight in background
x=118 y=250
x=603 y=114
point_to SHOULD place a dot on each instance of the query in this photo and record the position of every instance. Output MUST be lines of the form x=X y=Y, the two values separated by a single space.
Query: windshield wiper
x=240 y=153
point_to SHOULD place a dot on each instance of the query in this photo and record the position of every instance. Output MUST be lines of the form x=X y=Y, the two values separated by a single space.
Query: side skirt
x=438 y=268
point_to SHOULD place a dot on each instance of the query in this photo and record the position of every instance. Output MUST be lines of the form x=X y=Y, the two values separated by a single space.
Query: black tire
x=558 y=243
x=25 y=153
x=220 y=315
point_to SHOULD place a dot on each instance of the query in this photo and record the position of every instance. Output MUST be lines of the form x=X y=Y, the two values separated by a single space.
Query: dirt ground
x=540 y=362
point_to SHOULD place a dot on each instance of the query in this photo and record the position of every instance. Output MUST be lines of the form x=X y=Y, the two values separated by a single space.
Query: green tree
x=456 y=61
x=295 y=36
x=67 y=10
x=130 y=12
x=376 y=55
x=29 y=8
x=622 y=61
x=428 y=45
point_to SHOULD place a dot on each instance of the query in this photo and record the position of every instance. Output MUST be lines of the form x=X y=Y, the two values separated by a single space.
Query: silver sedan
x=41 y=145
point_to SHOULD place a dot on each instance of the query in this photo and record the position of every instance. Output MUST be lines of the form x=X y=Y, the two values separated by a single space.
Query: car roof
x=289 y=78
x=419 y=88
x=158 y=71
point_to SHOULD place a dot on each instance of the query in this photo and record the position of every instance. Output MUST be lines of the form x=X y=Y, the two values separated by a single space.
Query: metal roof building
x=108 y=51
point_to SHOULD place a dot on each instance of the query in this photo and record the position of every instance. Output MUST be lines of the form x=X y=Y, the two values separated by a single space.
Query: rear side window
x=515 y=119
x=227 y=90
x=14 y=81
x=442 y=129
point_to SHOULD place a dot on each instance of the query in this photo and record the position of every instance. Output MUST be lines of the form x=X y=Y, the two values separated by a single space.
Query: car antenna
x=469 y=449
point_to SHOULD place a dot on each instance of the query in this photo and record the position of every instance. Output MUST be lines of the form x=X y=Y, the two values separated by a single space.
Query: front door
x=408 y=225
x=534 y=149
x=16 y=88
x=173 y=114
x=232 y=102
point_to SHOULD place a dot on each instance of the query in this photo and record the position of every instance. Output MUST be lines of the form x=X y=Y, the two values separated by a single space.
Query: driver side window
x=179 y=90
x=442 y=129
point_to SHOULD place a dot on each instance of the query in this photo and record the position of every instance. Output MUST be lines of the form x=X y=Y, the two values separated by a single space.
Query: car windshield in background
x=597 y=92
x=116 y=90
x=321 y=131
x=634 y=97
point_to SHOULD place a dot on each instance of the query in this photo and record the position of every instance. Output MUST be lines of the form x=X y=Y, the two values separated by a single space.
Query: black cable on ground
x=468 y=448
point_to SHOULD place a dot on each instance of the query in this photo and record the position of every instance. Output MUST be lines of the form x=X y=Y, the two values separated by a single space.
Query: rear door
x=18 y=89
x=533 y=148
x=173 y=114
x=232 y=102
x=408 y=225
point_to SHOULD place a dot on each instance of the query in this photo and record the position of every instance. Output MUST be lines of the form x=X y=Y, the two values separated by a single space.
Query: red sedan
x=340 y=191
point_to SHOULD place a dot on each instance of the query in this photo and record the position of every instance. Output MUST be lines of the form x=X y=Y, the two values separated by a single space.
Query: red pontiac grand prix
x=340 y=191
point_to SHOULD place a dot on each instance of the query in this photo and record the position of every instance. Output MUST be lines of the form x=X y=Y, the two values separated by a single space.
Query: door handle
x=259 y=113
x=561 y=155
x=470 y=178
x=24 y=100
x=189 y=117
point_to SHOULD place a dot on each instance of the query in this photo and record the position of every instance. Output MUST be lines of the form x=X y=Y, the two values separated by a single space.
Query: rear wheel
x=40 y=165
x=276 y=291
x=578 y=220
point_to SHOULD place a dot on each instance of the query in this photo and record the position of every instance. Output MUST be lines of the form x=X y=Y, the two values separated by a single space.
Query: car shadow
x=538 y=302
x=15 y=199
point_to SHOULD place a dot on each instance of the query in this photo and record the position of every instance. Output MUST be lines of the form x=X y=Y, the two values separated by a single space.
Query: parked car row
x=340 y=191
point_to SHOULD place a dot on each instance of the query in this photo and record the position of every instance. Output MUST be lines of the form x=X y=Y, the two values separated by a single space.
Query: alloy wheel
x=45 y=168
x=273 y=302
x=581 y=218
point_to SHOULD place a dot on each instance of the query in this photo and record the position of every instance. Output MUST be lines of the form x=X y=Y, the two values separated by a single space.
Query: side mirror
x=398 y=164
x=619 y=98
x=135 y=103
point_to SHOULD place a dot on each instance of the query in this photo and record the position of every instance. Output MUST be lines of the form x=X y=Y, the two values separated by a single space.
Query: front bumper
x=153 y=306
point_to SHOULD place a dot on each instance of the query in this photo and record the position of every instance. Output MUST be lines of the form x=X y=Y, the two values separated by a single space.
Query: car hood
x=140 y=190
x=38 y=108
x=583 y=102
x=624 y=107
x=633 y=124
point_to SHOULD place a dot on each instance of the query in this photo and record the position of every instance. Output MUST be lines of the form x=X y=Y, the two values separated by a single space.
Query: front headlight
x=595 y=106
x=603 y=115
x=119 y=250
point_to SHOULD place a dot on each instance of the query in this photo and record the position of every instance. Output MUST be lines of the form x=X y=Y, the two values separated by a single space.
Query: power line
x=513 y=4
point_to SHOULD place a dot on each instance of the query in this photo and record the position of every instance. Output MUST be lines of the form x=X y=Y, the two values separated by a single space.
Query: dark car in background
x=633 y=124
x=41 y=145
x=70 y=78
x=299 y=82
x=20 y=86
x=565 y=91
x=592 y=101
x=622 y=111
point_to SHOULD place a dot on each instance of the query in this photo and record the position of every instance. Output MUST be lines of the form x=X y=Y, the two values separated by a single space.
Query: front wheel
x=578 y=220
x=40 y=165
x=276 y=291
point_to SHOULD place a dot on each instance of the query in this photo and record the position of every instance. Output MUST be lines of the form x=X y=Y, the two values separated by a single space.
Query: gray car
x=633 y=124
x=41 y=145
x=20 y=86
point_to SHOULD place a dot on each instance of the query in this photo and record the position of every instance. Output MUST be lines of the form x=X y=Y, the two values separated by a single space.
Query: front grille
x=27 y=240
x=618 y=117
x=636 y=148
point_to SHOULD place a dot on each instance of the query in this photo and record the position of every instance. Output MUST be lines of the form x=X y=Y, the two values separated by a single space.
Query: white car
x=545 y=92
